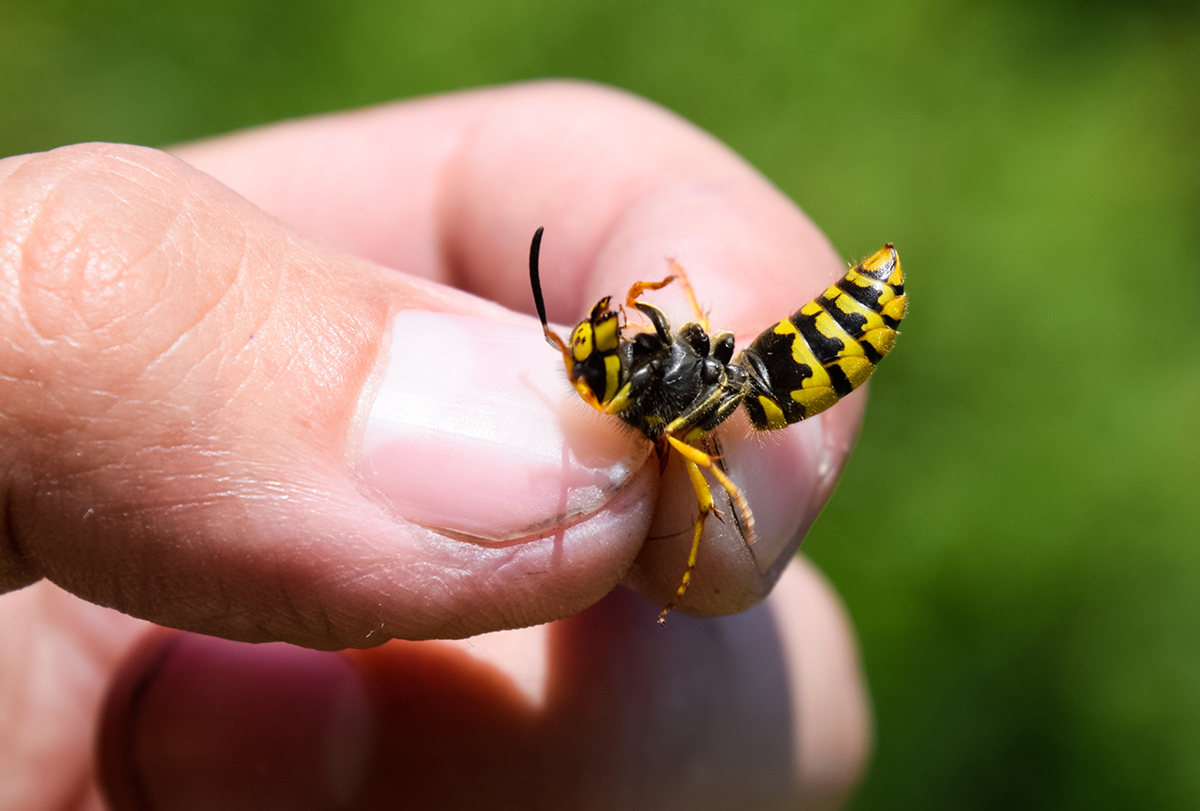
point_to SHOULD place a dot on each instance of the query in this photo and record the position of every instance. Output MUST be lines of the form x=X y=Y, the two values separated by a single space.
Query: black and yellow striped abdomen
x=827 y=348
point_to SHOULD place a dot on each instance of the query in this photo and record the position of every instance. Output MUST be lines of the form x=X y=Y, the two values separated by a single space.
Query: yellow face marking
x=606 y=335
x=581 y=341
x=612 y=375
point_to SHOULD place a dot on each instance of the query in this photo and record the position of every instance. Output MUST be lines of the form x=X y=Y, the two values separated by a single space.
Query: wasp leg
x=638 y=288
x=704 y=498
x=735 y=493
x=693 y=460
x=678 y=272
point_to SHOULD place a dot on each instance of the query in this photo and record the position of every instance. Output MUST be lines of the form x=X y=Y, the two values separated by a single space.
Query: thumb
x=214 y=425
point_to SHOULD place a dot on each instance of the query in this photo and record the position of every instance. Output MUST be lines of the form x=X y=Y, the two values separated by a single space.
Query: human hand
x=184 y=384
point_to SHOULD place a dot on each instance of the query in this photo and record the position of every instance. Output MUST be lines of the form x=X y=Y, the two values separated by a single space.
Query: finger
x=620 y=185
x=58 y=655
x=763 y=710
x=189 y=437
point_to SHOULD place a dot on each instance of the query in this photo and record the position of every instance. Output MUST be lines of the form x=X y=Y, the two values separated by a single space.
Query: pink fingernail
x=474 y=429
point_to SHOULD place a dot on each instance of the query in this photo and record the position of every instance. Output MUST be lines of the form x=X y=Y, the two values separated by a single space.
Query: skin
x=192 y=347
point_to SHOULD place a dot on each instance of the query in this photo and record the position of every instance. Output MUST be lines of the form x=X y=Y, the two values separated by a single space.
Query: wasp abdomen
x=827 y=348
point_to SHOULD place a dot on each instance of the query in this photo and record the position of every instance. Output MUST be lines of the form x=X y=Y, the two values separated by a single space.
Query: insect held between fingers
x=677 y=386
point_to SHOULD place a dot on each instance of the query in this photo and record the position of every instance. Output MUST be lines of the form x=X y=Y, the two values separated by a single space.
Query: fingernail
x=785 y=476
x=474 y=429
x=203 y=723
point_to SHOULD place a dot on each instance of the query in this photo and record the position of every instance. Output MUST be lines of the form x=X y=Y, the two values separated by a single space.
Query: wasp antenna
x=534 y=281
x=539 y=302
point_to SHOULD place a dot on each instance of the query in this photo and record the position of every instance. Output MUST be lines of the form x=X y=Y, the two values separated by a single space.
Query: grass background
x=1016 y=537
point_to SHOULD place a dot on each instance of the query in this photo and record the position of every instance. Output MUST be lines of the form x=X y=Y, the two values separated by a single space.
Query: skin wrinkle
x=247 y=346
x=129 y=267
x=216 y=354
x=436 y=584
x=518 y=563
x=348 y=632
x=20 y=311
x=153 y=370
x=130 y=470
x=79 y=242
x=342 y=621
x=517 y=560
x=305 y=357
x=288 y=608
x=138 y=166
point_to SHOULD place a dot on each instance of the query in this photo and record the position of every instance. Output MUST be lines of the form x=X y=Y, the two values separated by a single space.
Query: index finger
x=452 y=188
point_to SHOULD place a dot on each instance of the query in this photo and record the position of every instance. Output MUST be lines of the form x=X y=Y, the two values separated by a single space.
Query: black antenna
x=535 y=282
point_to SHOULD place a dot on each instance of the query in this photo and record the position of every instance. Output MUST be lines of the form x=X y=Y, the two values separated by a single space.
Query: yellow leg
x=693 y=460
x=704 y=497
x=735 y=493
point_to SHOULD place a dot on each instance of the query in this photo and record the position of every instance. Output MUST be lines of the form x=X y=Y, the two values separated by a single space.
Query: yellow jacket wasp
x=676 y=387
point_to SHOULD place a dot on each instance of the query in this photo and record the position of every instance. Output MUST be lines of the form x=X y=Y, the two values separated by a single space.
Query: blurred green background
x=1016 y=535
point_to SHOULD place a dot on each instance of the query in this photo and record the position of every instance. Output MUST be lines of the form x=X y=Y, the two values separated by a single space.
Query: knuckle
x=100 y=260
x=89 y=236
